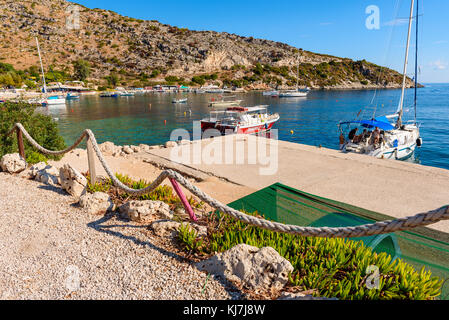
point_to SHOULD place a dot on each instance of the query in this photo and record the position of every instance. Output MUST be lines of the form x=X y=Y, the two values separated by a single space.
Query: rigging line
x=387 y=54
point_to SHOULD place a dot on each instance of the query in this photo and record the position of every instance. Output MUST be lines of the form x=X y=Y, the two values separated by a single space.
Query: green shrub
x=35 y=157
x=41 y=127
x=331 y=267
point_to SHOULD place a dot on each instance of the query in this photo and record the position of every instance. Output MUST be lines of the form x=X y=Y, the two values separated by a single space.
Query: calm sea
x=313 y=120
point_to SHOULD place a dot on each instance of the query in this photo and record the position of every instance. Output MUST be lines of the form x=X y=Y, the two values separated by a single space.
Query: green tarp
x=420 y=247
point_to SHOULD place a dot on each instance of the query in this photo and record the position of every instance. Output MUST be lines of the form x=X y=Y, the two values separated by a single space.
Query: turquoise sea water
x=313 y=120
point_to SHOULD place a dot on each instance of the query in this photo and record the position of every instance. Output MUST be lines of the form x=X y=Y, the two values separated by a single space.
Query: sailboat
x=49 y=99
x=294 y=93
x=390 y=139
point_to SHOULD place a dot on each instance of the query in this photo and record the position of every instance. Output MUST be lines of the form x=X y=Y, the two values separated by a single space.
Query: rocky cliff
x=150 y=51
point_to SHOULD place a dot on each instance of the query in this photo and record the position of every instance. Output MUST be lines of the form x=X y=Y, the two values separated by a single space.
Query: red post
x=20 y=143
x=183 y=198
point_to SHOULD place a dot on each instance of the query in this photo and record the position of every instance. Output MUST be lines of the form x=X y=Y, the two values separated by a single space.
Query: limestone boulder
x=171 y=228
x=256 y=269
x=127 y=150
x=72 y=181
x=48 y=175
x=31 y=172
x=98 y=203
x=144 y=147
x=135 y=149
x=108 y=148
x=145 y=211
x=13 y=163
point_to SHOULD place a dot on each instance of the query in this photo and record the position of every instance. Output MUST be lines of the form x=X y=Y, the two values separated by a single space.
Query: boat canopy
x=381 y=122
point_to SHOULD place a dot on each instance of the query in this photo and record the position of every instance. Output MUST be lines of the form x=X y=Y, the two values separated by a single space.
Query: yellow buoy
x=292 y=132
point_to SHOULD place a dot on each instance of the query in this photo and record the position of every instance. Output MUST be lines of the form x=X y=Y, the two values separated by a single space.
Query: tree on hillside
x=112 y=80
x=81 y=69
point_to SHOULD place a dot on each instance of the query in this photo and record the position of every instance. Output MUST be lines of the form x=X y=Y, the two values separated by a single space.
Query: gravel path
x=50 y=249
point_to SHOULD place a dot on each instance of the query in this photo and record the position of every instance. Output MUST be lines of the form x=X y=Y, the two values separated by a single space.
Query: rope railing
x=402 y=224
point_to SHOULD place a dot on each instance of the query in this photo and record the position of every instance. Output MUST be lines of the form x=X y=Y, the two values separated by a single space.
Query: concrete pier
x=394 y=188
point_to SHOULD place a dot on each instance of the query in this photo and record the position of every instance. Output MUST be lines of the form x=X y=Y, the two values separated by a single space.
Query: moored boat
x=71 y=96
x=242 y=120
x=225 y=102
x=273 y=93
x=397 y=140
x=109 y=95
x=179 y=100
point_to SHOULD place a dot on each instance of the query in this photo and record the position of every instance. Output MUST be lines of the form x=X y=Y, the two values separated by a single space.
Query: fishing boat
x=297 y=93
x=388 y=136
x=109 y=95
x=225 y=102
x=241 y=120
x=179 y=100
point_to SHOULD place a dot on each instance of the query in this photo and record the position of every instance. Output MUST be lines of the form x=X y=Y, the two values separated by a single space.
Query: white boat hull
x=407 y=141
x=293 y=94
x=54 y=102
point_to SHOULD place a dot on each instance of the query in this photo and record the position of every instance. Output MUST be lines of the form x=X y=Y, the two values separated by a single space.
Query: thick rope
x=383 y=227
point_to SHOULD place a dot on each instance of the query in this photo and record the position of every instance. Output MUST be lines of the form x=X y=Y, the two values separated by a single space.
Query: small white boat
x=71 y=96
x=273 y=93
x=293 y=94
x=53 y=100
x=179 y=100
x=126 y=94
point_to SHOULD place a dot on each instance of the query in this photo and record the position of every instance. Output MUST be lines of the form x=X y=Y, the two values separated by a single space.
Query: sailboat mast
x=404 y=80
x=42 y=66
x=416 y=57
x=297 y=76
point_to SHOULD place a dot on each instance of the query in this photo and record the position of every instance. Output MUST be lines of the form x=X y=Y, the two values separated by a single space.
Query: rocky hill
x=148 y=51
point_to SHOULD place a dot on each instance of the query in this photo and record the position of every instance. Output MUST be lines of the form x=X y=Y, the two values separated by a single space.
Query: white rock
x=169 y=227
x=108 y=148
x=144 y=147
x=31 y=173
x=127 y=150
x=72 y=181
x=136 y=149
x=144 y=211
x=155 y=147
x=97 y=204
x=48 y=175
x=170 y=144
x=256 y=269
x=13 y=163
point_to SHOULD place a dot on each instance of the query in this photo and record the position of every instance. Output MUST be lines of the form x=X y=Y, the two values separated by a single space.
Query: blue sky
x=323 y=26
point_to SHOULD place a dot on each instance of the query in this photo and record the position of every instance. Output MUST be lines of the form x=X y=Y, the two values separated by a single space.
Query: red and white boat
x=241 y=120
